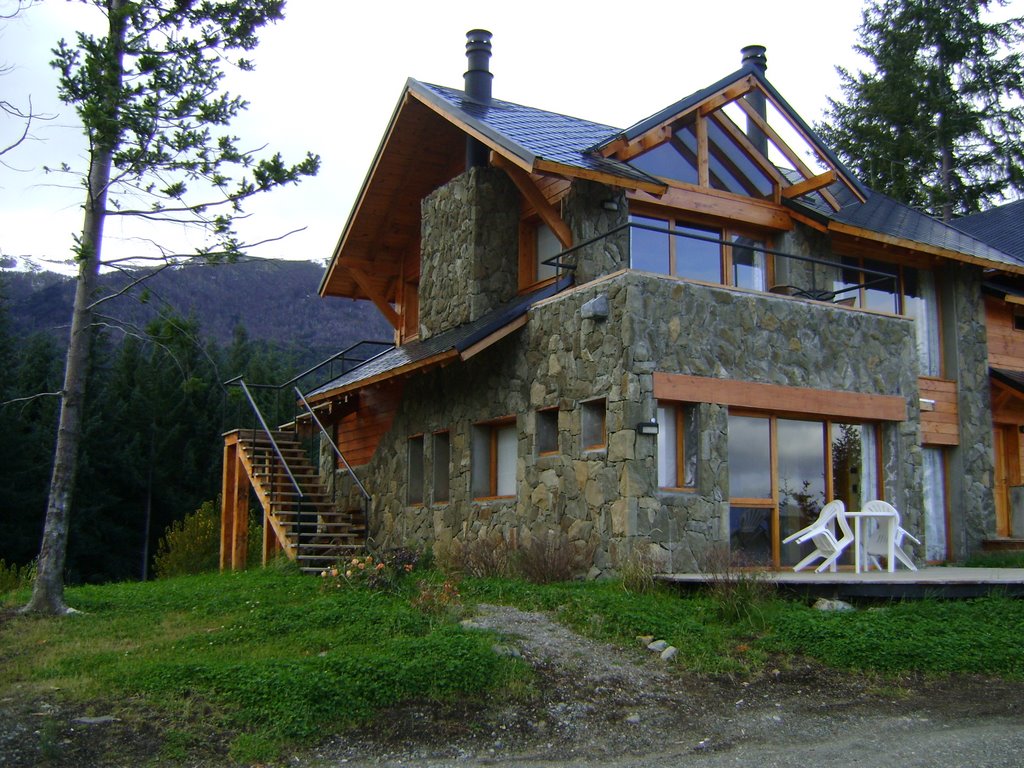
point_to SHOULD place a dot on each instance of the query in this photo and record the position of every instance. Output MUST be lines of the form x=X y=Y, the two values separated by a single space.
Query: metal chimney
x=754 y=58
x=478 y=80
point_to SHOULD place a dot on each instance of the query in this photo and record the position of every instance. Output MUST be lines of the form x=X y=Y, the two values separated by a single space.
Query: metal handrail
x=334 y=447
x=327 y=361
x=555 y=261
x=270 y=436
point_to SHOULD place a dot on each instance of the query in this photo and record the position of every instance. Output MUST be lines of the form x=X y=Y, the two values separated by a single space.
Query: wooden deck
x=935 y=582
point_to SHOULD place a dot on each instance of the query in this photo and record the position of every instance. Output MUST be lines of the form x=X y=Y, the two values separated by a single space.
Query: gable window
x=547 y=431
x=707 y=254
x=442 y=453
x=677 y=445
x=414 y=486
x=537 y=244
x=595 y=433
x=493 y=459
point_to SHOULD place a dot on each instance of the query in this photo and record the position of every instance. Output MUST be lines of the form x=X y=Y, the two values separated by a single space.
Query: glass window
x=442 y=466
x=666 y=161
x=921 y=303
x=493 y=453
x=750 y=457
x=748 y=263
x=677 y=445
x=880 y=292
x=934 y=504
x=750 y=535
x=698 y=259
x=414 y=488
x=547 y=430
x=649 y=251
x=547 y=246
x=594 y=433
x=801 y=479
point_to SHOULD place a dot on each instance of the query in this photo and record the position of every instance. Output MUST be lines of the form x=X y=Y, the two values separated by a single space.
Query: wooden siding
x=359 y=432
x=1005 y=344
x=940 y=414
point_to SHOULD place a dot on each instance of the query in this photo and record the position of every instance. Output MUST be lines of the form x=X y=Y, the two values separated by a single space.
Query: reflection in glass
x=934 y=504
x=698 y=259
x=750 y=458
x=748 y=263
x=750 y=535
x=921 y=303
x=667 y=446
x=649 y=251
x=880 y=291
x=801 y=462
x=666 y=161
x=547 y=247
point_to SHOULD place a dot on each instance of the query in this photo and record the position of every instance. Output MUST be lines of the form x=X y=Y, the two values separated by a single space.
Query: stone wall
x=591 y=210
x=469 y=246
x=970 y=470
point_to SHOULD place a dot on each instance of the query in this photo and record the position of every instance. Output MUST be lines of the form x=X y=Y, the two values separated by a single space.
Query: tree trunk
x=48 y=589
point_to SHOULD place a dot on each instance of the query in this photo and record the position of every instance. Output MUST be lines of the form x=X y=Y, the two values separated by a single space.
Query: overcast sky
x=329 y=76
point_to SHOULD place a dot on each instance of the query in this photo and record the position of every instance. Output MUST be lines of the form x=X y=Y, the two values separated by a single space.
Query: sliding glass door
x=782 y=471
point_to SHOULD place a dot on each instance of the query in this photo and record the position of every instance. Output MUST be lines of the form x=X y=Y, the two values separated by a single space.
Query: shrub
x=638 y=572
x=192 y=545
x=739 y=594
x=482 y=558
x=13 y=577
x=381 y=572
x=549 y=558
x=439 y=601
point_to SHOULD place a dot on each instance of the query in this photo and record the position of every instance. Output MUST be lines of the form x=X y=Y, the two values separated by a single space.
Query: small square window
x=595 y=435
x=442 y=452
x=547 y=430
x=414 y=488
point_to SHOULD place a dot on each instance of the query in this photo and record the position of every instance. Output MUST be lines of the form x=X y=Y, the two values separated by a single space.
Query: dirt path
x=599 y=707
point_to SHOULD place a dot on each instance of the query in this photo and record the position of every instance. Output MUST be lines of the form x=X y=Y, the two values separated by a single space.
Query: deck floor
x=938 y=582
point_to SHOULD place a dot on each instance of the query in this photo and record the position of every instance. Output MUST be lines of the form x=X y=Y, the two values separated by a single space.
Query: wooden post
x=228 y=500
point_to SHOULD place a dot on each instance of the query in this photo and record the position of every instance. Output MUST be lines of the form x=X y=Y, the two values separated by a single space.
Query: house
x=673 y=338
x=1003 y=228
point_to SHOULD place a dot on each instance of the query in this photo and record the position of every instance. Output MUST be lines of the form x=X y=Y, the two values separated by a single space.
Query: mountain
x=275 y=300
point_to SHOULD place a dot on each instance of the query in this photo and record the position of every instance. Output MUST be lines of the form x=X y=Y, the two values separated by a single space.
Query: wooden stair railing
x=300 y=519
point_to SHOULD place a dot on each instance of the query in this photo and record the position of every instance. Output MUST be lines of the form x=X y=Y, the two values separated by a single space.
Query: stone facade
x=468 y=249
x=602 y=341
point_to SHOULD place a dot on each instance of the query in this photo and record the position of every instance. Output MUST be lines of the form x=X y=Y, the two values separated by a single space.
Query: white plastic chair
x=826 y=545
x=876 y=543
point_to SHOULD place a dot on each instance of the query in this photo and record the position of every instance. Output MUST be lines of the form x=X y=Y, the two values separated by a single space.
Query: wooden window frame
x=488 y=430
x=528 y=265
x=435 y=467
x=678 y=411
x=726 y=276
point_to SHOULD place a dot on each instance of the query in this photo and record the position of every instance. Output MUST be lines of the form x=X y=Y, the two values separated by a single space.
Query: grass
x=1009 y=559
x=272 y=658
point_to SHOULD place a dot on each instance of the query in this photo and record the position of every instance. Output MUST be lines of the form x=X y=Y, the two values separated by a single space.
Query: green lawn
x=273 y=657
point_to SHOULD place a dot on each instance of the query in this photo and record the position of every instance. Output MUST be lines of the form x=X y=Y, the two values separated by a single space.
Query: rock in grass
x=669 y=653
x=824 y=604
x=657 y=645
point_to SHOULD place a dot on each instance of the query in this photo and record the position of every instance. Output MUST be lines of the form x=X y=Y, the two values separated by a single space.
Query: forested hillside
x=275 y=301
x=157 y=406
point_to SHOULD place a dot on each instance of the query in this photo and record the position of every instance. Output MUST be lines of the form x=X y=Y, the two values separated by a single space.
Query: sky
x=328 y=78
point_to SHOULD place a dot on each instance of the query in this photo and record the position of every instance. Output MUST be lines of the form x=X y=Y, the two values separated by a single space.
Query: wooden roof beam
x=529 y=189
x=747 y=147
x=379 y=301
x=812 y=184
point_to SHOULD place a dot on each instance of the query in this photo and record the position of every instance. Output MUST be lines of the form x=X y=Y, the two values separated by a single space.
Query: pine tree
x=939 y=122
x=149 y=97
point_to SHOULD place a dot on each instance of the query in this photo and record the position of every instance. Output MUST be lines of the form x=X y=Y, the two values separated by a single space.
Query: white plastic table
x=888 y=520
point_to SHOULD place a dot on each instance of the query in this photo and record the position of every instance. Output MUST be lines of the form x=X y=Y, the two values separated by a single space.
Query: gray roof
x=533 y=134
x=1001 y=227
x=458 y=339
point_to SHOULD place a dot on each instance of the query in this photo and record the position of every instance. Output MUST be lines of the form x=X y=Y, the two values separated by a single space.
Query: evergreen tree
x=939 y=122
x=149 y=97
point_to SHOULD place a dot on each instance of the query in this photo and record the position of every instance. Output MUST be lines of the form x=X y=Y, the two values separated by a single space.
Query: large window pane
x=750 y=535
x=880 y=292
x=801 y=449
x=750 y=458
x=547 y=247
x=667 y=447
x=666 y=161
x=507 y=442
x=934 y=505
x=698 y=259
x=649 y=251
x=921 y=303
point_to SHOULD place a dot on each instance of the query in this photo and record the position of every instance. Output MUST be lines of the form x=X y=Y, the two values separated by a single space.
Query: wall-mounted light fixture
x=610 y=205
x=647 y=427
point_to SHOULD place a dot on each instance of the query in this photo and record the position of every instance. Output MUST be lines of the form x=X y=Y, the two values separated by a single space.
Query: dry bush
x=638 y=571
x=549 y=557
x=486 y=557
x=738 y=591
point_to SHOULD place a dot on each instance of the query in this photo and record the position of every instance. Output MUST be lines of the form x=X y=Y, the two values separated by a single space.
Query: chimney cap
x=754 y=56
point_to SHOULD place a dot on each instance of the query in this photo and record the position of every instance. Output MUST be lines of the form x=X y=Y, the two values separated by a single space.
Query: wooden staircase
x=303 y=523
